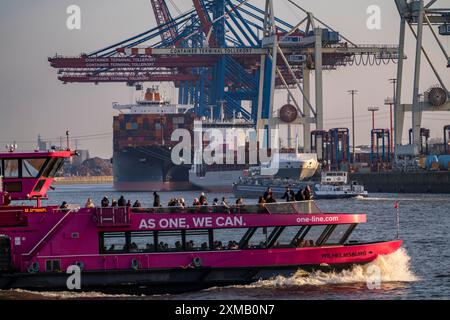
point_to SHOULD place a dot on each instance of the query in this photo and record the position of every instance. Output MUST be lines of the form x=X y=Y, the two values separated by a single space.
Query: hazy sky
x=33 y=101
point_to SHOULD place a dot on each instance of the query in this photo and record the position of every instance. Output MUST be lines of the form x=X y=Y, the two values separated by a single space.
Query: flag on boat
x=396 y=205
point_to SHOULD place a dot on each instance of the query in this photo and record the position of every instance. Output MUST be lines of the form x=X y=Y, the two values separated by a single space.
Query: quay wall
x=404 y=182
x=83 y=180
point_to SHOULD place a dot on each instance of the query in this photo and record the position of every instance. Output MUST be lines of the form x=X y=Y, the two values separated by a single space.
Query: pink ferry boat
x=124 y=249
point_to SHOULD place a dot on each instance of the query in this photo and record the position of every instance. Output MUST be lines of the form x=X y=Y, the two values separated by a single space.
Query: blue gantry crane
x=230 y=55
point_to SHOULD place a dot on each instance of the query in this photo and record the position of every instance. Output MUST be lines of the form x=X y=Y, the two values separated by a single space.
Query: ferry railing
x=293 y=207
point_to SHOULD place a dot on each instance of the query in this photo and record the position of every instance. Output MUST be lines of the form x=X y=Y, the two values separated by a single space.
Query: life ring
x=135 y=264
x=80 y=265
x=197 y=262
x=34 y=267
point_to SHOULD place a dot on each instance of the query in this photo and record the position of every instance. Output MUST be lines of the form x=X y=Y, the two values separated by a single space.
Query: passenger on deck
x=299 y=195
x=215 y=202
x=128 y=203
x=270 y=199
x=204 y=246
x=181 y=203
x=89 y=203
x=225 y=205
x=239 y=201
x=64 y=206
x=105 y=202
x=307 y=193
x=196 y=202
x=287 y=195
x=292 y=194
x=156 y=200
x=202 y=199
x=267 y=193
x=261 y=205
x=122 y=202
x=111 y=248
x=137 y=204
x=178 y=246
x=172 y=202
x=113 y=203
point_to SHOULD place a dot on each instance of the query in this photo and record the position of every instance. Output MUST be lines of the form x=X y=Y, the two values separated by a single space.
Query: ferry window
x=13 y=186
x=197 y=240
x=260 y=238
x=169 y=240
x=313 y=234
x=11 y=168
x=142 y=241
x=286 y=237
x=58 y=164
x=114 y=242
x=39 y=186
x=338 y=233
x=31 y=167
x=228 y=239
x=52 y=166
x=52 y=265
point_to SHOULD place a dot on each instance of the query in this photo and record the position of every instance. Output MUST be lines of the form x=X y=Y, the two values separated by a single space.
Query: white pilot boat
x=334 y=185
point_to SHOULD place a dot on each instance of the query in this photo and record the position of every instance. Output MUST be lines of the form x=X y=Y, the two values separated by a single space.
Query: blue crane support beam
x=156 y=29
x=241 y=29
x=246 y=25
x=260 y=11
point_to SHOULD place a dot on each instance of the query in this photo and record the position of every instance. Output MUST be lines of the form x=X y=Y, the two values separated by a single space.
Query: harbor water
x=418 y=271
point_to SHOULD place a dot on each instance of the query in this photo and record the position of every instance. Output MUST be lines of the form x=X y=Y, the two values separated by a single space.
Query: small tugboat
x=334 y=185
x=175 y=249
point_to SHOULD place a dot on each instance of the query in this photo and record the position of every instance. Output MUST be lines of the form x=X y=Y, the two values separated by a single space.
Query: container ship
x=142 y=147
x=142 y=144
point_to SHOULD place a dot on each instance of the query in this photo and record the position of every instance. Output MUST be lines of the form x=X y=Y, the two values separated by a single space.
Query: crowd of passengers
x=267 y=197
x=163 y=246
x=191 y=246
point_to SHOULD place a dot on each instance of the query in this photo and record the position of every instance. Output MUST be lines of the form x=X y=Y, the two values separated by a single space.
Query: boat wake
x=391 y=268
x=50 y=295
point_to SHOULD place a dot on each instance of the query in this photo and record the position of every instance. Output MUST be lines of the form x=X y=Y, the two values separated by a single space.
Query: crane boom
x=163 y=18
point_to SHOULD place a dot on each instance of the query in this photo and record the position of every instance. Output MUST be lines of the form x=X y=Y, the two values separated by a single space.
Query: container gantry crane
x=421 y=14
x=213 y=52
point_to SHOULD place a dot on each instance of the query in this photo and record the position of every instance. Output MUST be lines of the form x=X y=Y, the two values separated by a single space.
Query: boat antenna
x=67 y=140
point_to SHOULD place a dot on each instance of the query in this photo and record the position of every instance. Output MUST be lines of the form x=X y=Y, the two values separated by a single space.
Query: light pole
x=394 y=82
x=373 y=110
x=353 y=92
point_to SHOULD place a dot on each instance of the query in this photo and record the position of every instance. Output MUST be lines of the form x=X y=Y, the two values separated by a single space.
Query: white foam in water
x=394 y=268
x=72 y=295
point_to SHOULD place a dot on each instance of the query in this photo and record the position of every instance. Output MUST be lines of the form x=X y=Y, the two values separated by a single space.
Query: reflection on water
x=418 y=271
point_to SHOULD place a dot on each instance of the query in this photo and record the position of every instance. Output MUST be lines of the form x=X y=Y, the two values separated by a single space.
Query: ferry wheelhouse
x=123 y=249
